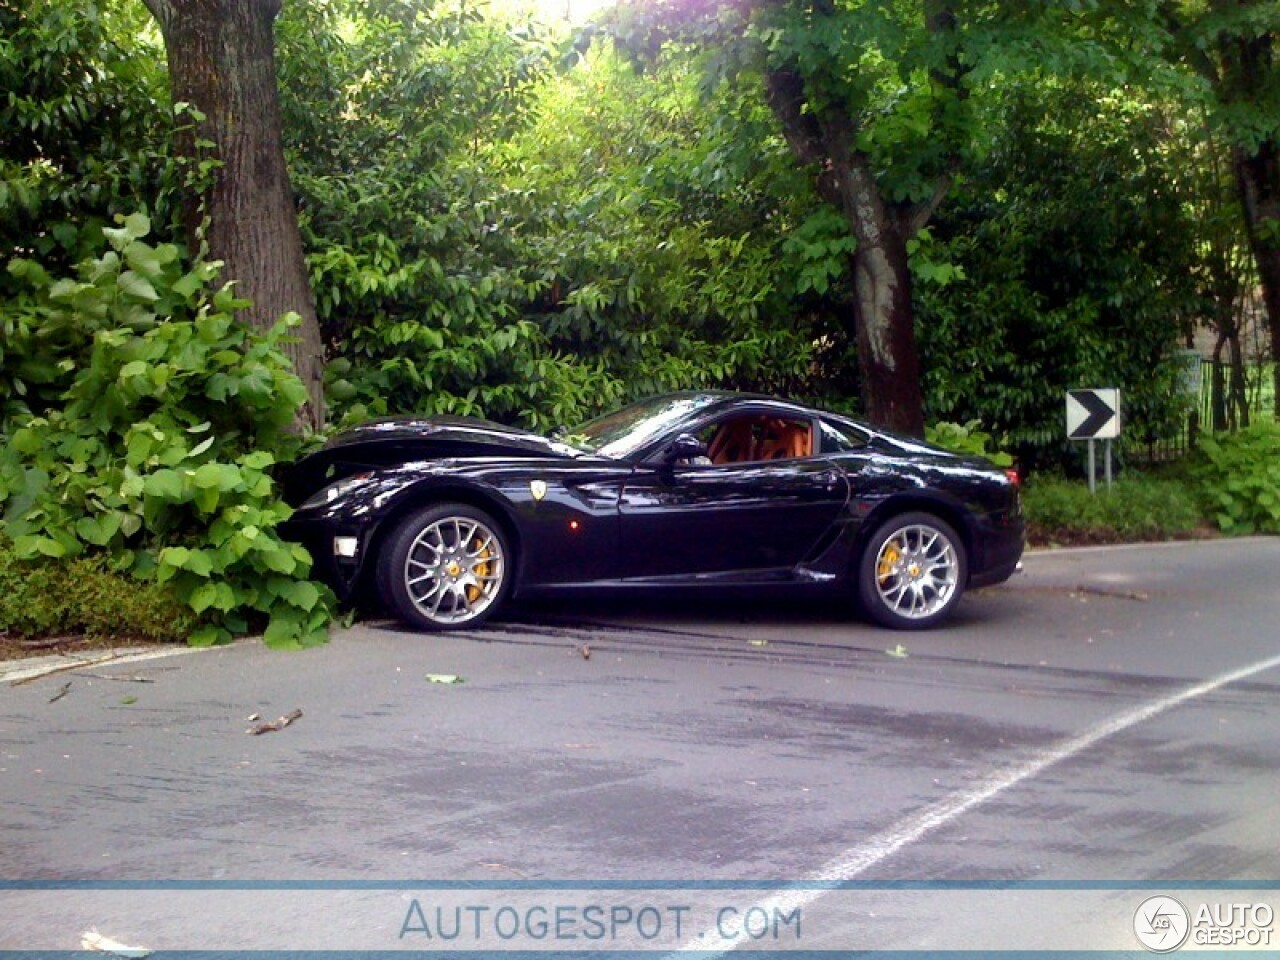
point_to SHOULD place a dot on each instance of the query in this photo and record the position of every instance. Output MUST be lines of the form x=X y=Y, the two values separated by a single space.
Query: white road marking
x=878 y=848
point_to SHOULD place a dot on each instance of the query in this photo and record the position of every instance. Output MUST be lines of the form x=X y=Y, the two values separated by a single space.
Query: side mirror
x=684 y=447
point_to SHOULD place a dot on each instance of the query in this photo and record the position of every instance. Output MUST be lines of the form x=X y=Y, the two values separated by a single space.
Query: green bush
x=1239 y=479
x=967 y=438
x=1135 y=507
x=83 y=596
x=144 y=421
x=1076 y=249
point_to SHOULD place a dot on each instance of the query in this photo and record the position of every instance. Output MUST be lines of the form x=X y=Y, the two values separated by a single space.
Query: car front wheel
x=445 y=567
x=912 y=572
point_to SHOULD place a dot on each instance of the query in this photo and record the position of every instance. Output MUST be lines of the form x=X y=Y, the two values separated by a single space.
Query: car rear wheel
x=912 y=572
x=445 y=567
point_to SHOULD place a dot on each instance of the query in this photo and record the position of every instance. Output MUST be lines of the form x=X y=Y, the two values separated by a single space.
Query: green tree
x=392 y=109
x=1232 y=46
x=655 y=223
x=1072 y=258
x=872 y=97
x=1225 y=274
x=163 y=417
x=81 y=140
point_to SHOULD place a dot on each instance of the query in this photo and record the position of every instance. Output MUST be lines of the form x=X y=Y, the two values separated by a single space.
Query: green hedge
x=1136 y=507
x=82 y=596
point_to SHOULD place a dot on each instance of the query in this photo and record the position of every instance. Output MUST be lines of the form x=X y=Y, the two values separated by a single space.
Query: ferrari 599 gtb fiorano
x=448 y=518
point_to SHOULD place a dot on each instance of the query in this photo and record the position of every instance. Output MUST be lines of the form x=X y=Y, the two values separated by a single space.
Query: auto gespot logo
x=1162 y=924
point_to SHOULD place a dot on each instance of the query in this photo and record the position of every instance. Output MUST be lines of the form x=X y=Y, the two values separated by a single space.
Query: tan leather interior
x=784 y=440
x=734 y=442
x=750 y=439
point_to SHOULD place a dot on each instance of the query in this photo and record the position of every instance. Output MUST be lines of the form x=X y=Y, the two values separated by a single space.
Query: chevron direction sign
x=1093 y=414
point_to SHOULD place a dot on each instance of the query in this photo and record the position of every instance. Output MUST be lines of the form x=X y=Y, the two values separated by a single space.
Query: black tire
x=446 y=567
x=912 y=572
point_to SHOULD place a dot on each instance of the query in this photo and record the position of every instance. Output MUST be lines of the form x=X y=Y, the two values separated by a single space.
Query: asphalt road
x=1110 y=715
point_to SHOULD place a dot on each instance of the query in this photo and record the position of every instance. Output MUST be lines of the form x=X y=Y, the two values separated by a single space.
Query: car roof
x=717 y=401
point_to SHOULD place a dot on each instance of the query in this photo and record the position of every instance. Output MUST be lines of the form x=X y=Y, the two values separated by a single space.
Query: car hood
x=395 y=440
x=446 y=436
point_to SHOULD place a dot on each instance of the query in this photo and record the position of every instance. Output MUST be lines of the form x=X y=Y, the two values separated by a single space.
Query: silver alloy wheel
x=917 y=570
x=453 y=570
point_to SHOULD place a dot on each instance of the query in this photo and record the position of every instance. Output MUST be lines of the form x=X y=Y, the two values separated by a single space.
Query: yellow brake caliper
x=481 y=570
x=888 y=560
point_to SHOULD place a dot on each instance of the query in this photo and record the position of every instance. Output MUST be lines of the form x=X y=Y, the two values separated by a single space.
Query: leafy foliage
x=1240 y=479
x=968 y=438
x=409 y=243
x=144 y=425
x=1075 y=257
x=85 y=126
x=658 y=237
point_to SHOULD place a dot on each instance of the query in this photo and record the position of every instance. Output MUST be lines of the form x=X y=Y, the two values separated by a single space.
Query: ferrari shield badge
x=538 y=488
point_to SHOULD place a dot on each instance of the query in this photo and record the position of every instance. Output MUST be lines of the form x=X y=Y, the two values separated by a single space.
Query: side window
x=841 y=438
x=729 y=441
x=752 y=438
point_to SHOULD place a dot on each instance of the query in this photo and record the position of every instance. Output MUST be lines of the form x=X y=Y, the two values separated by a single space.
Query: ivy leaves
x=151 y=434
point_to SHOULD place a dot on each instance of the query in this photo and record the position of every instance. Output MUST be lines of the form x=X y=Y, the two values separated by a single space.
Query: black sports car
x=449 y=517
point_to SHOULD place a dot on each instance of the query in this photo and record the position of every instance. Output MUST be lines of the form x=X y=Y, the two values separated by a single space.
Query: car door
x=754 y=517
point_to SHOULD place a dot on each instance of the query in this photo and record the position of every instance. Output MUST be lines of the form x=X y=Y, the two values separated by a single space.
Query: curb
x=1150 y=545
x=33 y=668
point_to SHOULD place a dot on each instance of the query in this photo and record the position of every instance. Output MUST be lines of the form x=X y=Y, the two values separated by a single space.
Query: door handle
x=831 y=479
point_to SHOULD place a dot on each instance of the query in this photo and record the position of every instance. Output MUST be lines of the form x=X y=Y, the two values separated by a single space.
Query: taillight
x=1012 y=474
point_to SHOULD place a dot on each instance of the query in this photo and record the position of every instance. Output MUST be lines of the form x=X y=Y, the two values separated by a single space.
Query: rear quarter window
x=841 y=438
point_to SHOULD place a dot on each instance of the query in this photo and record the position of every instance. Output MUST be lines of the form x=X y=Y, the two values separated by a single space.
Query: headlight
x=336 y=490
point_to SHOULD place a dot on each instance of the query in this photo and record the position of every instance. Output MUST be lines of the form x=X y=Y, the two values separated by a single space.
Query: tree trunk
x=887 y=356
x=883 y=321
x=1249 y=72
x=1239 y=388
x=221 y=56
x=821 y=131
x=1218 y=389
x=1258 y=175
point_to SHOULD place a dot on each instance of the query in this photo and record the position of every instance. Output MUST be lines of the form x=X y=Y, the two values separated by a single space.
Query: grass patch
x=83 y=598
x=1136 y=507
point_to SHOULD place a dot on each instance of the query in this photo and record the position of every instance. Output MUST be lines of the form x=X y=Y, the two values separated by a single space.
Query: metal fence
x=1224 y=399
x=1231 y=399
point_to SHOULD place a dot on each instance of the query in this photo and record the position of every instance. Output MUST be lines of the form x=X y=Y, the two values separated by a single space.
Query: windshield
x=621 y=433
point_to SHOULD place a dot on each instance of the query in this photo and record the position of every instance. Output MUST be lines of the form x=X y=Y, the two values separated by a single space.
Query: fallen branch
x=273 y=725
x=66 y=688
x=1109 y=592
x=107 y=676
x=45 y=644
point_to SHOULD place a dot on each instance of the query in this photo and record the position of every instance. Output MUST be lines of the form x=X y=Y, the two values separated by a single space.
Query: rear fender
x=953 y=512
